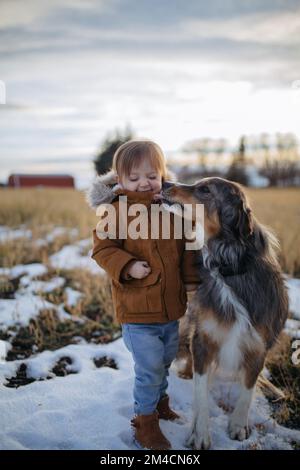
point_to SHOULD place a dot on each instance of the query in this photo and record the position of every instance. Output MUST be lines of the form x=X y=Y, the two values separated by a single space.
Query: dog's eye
x=203 y=189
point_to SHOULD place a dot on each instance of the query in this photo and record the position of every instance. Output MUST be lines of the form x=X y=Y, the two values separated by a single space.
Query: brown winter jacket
x=160 y=296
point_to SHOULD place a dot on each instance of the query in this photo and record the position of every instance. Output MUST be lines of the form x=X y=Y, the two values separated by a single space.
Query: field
x=53 y=297
x=280 y=210
x=42 y=209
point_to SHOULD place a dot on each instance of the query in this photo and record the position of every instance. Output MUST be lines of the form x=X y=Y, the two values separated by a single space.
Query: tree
x=265 y=146
x=103 y=160
x=284 y=169
x=237 y=170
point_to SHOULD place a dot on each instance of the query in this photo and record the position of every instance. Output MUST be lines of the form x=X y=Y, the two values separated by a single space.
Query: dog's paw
x=238 y=432
x=198 y=440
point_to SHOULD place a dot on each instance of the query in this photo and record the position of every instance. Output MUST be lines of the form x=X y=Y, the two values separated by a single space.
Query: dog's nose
x=167 y=185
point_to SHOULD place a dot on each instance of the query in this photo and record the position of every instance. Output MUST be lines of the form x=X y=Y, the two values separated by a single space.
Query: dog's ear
x=245 y=220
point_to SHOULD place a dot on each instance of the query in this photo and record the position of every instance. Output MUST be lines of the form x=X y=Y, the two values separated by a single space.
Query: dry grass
x=96 y=303
x=286 y=376
x=22 y=251
x=279 y=208
x=47 y=332
x=40 y=209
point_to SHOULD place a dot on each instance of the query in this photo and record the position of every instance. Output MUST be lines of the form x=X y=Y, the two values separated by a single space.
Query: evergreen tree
x=103 y=160
x=237 y=170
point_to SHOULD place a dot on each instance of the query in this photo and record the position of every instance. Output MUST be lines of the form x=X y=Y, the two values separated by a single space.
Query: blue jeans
x=153 y=347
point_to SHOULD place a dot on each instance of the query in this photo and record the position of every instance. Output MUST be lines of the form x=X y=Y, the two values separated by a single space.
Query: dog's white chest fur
x=229 y=342
x=230 y=353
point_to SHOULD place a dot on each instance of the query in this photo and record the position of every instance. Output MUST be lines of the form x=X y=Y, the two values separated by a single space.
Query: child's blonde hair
x=133 y=152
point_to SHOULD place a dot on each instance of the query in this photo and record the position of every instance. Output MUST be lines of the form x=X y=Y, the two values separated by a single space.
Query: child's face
x=142 y=178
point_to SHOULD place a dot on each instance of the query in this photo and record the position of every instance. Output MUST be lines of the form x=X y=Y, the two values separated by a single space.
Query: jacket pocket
x=140 y=295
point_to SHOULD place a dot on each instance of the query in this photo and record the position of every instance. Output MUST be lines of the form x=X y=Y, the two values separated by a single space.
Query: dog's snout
x=167 y=185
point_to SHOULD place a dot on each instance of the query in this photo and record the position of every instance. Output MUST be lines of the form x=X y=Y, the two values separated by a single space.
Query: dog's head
x=226 y=208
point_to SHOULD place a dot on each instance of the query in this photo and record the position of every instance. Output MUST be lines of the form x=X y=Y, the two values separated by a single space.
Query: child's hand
x=137 y=270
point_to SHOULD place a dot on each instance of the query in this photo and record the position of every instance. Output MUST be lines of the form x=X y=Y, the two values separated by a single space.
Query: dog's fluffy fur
x=241 y=305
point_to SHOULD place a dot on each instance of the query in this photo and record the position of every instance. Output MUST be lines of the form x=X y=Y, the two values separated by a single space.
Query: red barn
x=33 y=181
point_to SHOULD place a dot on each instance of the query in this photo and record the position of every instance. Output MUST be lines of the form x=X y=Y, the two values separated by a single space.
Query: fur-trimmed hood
x=103 y=189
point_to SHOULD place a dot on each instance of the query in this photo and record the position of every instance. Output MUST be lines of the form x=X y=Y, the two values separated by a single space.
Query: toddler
x=148 y=280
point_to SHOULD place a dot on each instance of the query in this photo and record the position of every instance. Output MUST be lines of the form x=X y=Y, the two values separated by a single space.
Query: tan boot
x=148 y=433
x=164 y=410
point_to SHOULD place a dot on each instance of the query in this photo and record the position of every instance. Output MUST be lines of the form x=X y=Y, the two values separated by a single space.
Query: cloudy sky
x=175 y=70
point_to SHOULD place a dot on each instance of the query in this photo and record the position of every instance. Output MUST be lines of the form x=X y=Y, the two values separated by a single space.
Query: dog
x=241 y=305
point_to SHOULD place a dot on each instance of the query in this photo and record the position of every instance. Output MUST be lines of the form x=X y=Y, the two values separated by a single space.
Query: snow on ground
x=27 y=304
x=42 y=286
x=292 y=328
x=72 y=296
x=21 y=310
x=32 y=270
x=91 y=409
x=60 y=231
x=56 y=232
x=71 y=256
x=293 y=286
x=6 y=233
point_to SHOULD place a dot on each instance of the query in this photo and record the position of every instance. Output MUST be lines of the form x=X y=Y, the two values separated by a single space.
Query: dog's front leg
x=199 y=436
x=238 y=421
